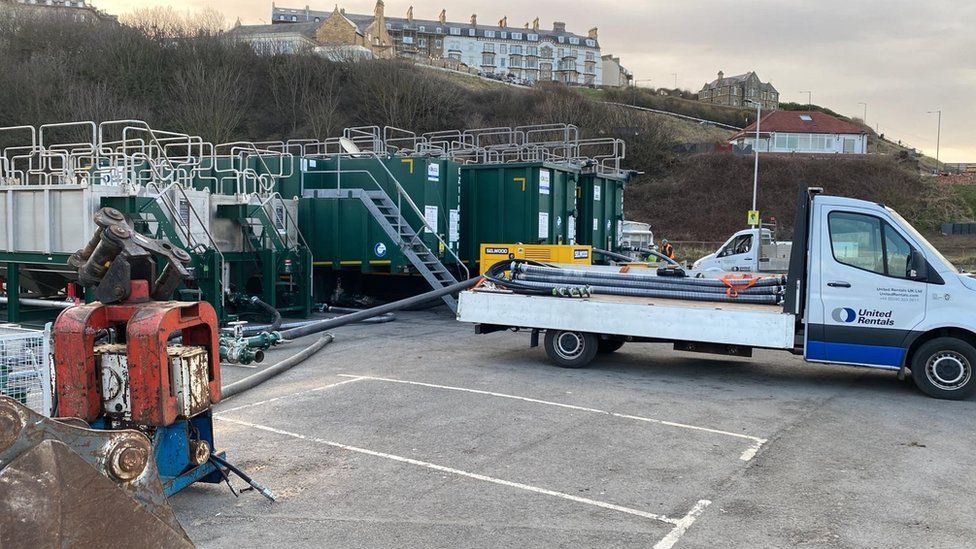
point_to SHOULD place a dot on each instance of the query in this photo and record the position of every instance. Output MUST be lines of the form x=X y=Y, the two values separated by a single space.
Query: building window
x=408 y=39
x=573 y=40
x=533 y=38
x=502 y=48
x=516 y=50
x=504 y=34
x=438 y=30
x=488 y=59
x=438 y=44
x=591 y=43
x=532 y=51
x=455 y=31
x=489 y=34
x=590 y=57
x=489 y=47
x=471 y=32
x=516 y=36
x=422 y=28
x=423 y=42
x=501 y=62
x=294 y=18
x=561 y=39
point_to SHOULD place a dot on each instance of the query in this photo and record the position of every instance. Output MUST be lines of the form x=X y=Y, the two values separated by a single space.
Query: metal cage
x=25 y=367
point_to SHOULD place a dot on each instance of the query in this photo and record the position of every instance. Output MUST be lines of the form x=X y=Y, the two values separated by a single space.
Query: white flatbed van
x=864 y=288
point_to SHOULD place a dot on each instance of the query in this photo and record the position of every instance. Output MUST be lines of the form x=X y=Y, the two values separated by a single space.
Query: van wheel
x=943 y=368
x=571 y=349
x=609 y=345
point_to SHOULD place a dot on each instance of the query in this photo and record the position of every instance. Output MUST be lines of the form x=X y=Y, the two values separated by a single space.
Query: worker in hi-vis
x=667 y=249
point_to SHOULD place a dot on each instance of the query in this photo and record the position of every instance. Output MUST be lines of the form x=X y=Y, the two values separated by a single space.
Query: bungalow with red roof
x=810 y=132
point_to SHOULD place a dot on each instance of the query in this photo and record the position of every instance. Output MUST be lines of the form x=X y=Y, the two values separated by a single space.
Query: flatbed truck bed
x=632 y=318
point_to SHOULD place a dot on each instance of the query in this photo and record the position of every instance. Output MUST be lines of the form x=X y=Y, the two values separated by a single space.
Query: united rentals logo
x=581 y=254
x=496 y=251
x=868 y=317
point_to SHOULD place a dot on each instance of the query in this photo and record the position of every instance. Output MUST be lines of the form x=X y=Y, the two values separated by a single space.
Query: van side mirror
x=918 y=268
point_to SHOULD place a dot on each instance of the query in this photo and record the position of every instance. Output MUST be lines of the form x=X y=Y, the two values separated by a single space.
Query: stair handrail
x=402 y=193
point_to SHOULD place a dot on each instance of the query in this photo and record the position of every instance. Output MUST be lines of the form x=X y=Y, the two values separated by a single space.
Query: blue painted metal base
x=171 y=450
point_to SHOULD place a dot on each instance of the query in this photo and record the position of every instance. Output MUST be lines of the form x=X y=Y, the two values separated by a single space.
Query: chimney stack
x=535 y=24
x=474 y=19
x=443 y=17
x=721 y=75
x=593 y=33
x=559 y=26
x=410 y=14
x=503 y=23
x=379 y=13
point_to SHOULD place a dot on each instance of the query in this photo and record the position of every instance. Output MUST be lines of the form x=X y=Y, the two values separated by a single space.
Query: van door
x=737 y=254
x=870 y=305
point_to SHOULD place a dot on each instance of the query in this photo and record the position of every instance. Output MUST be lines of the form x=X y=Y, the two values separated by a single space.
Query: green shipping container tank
x=530 y=203
x=342 y=233
x=600 y=199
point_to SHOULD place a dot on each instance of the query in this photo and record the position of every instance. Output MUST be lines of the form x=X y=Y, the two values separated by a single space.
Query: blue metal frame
x=171 y=450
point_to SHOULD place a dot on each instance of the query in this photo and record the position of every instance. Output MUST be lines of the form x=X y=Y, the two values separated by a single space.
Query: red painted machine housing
x=147 y=326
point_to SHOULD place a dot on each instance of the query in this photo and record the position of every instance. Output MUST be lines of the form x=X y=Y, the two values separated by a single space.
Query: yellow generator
x=546 y=253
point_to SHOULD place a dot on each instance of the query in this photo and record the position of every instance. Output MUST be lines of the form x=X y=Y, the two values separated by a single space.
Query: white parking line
x=680 y=525
x=746 y=455
x=275 y=399
x=668 y=541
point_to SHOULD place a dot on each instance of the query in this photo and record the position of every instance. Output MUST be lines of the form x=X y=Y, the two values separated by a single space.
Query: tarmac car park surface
x=418 y=433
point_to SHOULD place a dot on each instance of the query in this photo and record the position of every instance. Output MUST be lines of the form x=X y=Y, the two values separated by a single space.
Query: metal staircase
x=391 y=220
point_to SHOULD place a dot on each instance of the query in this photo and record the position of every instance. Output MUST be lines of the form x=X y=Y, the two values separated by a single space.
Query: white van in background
x=753 y=250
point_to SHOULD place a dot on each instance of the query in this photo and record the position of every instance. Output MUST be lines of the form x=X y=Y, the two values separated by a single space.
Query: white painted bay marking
x=275 y=399
x=518 y=485
x=747 y=455
x=668 y=541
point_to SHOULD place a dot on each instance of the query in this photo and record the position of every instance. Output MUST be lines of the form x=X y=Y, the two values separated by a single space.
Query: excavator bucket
x=64 y=485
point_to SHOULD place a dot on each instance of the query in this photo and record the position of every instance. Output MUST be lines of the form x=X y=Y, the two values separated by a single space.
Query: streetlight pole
x=755 y=147
x=809 y=97
x=938 y=139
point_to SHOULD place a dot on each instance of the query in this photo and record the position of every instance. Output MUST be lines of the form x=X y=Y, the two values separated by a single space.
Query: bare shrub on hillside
x=210 y=101
x=706 y=197
x=166 y=22
x=392 y=93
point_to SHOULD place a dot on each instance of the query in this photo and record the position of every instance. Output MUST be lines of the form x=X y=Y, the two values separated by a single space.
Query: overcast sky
x=902 y=57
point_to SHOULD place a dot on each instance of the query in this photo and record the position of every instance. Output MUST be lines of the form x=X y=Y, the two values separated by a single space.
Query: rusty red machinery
x=133 y=359
x=136 y=378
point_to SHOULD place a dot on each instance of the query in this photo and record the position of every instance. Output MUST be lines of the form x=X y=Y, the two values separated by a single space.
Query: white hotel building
x=527 y=53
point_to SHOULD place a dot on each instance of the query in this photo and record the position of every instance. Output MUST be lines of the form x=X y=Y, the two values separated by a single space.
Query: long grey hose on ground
x=254 y=380
x=343 y=320
x=317 y=327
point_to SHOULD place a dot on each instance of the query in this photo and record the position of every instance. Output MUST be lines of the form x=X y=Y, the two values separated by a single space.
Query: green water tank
x=529 y=203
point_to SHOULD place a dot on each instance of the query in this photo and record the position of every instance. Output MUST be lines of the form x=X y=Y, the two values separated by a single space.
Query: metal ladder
x=391 y=220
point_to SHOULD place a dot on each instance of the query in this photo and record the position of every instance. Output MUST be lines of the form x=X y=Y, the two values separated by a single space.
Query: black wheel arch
x=918 y=339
